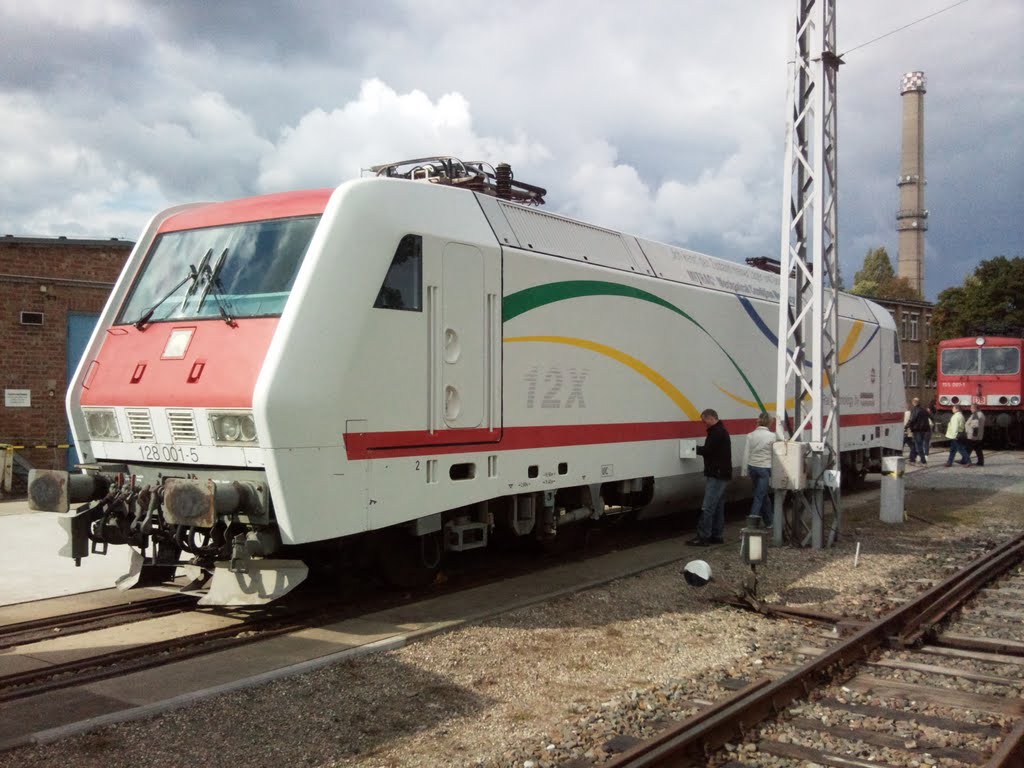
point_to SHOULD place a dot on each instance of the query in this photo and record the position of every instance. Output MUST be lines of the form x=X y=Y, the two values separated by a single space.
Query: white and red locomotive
x=396 y=369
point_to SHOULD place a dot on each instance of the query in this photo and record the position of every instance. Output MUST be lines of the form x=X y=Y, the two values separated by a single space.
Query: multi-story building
x=914 y=327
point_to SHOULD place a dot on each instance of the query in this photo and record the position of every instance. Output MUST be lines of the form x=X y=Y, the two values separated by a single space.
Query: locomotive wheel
x=853 y=479
x=569 y=538
x=408 y=561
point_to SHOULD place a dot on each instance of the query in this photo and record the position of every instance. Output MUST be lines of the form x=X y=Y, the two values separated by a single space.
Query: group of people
x=717 y=454
x=965 y=434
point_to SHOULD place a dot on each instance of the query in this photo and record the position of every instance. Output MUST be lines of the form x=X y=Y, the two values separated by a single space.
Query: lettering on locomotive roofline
x=168 y=453
x=553 y=380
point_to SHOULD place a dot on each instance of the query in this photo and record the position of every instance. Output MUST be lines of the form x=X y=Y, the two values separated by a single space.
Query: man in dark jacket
x=717 y=453
x=920 y=426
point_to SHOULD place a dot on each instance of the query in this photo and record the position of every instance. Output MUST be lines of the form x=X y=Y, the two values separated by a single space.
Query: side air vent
x=140 y=425
x=183 y=426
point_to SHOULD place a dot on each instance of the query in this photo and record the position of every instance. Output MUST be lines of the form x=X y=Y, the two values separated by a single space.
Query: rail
x=694 y=738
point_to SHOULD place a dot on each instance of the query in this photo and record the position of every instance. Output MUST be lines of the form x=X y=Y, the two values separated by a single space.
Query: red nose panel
x=218 y=368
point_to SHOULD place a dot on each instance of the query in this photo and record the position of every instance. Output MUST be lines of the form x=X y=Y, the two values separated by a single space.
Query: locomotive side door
x=466 y=348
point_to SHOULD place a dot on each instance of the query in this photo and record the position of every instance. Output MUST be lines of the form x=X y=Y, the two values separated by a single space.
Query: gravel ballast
x=541 y=685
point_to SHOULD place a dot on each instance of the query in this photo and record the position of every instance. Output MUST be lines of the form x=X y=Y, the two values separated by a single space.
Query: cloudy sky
x=662 y=118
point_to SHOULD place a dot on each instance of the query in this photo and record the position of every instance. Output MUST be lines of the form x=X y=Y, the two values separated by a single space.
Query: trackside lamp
x=753 y=550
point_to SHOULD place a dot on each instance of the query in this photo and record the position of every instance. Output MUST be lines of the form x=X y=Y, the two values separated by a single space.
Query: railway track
x=891 y=693
x=25 y=632
x=309 y=608
x=102 y=665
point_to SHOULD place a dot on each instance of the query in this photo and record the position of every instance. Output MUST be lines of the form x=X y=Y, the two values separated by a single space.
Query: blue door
x=80 y=328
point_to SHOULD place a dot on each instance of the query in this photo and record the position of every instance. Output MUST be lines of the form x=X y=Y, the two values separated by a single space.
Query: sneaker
x=697 y=541
x=948 y=464
x=923 y=463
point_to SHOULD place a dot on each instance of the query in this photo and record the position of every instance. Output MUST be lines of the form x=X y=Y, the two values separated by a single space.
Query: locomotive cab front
x=162 y=408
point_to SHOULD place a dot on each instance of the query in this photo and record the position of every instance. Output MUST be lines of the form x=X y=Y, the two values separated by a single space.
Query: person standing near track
x=931 y=428
x=920 y=426
x=757 y=459
x=717 y=453
x=957 y=438
x=976 y=434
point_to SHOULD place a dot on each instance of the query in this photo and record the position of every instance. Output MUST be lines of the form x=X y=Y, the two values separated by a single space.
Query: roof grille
x=140 y=425
x=183 y=426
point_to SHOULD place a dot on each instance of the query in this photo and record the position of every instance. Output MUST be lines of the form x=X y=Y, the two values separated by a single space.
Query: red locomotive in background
x=984 y=370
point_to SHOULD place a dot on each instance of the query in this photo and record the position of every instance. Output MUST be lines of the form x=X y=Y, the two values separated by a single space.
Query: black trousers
x=975 y=445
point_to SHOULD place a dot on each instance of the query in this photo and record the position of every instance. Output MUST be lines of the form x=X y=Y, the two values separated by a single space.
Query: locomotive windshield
x=987 y=361
x=236 y=270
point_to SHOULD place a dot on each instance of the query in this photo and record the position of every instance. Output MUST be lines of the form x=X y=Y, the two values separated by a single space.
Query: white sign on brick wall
x=18 y=398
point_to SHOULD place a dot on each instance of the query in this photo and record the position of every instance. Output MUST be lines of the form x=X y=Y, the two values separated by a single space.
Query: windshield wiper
x=204 y=266
x=213 y=282
x=193 y=275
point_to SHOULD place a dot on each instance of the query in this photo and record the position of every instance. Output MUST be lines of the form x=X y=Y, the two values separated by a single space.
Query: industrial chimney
x=912 y=218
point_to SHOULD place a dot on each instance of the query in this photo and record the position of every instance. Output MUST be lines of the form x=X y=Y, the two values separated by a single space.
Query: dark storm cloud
x=657 y=118
x=109 y=61
x=281 y=31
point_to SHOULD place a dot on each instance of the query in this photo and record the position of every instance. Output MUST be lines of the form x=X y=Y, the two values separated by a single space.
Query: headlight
x=944 y=400
x=233 y=427
x=229 y=428
x=247 y=425
x=101 y=423
x=1015 y=400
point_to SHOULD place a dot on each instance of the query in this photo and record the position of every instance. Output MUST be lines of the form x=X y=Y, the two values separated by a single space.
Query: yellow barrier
x=7 y=461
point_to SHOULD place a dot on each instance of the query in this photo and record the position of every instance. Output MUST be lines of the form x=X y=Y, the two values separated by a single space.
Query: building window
x=912 y=382
x=913 y=327
x=906 y=377
x=927 y=327
x=903 y=326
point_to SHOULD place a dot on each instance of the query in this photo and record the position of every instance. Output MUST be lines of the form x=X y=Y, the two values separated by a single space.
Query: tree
x=877 y=279
x=990 y=302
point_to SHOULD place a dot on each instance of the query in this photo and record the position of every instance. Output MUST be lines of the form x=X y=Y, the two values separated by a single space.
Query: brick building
x=914 y=327
x=51 y=293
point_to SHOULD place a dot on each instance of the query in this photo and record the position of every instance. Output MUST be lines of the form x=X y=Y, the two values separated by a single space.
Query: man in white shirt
x=757 y=458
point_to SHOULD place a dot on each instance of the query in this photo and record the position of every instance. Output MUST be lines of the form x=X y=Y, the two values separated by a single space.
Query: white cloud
x=379 y=126
x=53 y=185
